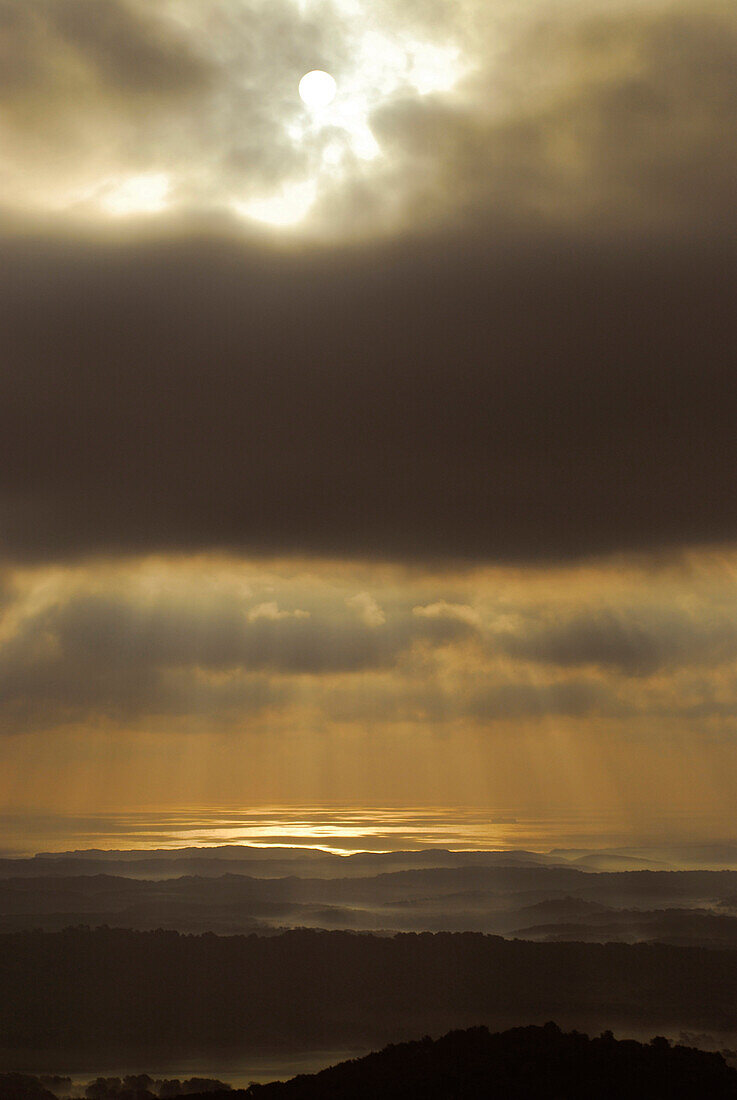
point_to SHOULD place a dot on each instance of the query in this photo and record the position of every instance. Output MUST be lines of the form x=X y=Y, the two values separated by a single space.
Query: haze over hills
x=399 y=956
x=684 y=856
x=257 y=862
x=234 y=890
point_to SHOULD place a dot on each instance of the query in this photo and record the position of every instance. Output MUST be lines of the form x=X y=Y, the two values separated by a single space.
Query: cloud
x=441 y=609
x=634 y=642
x=220 y=644
x=367 y=609
x=555 y=117
x=96 y=652
x=207 y=96
x=270 y=611
x=565 y=699
x=487 y=697
x=76 y=86
x=614 y=117
x=60 y=49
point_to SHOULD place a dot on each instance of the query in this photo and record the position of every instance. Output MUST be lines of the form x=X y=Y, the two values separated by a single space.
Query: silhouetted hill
x=531 y=1063
x=18 y=1086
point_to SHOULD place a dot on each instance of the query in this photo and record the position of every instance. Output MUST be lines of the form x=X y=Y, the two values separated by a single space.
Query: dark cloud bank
x=453 y=398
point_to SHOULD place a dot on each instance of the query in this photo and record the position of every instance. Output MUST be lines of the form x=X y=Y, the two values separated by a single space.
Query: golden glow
x=336 y=128
x=180 y=159
x=344 y=831
x=245 y=693
x=146 y=194
x=287 y=207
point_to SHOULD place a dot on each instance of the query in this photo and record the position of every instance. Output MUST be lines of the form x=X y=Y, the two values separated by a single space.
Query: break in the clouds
x=549 y=113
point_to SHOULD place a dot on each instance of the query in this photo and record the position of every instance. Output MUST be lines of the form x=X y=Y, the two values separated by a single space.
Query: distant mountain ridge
x=220 y=851
x=262 y=863
x=665 y=857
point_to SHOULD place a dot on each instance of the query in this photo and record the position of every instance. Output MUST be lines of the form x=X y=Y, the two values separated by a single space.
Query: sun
x=317 y=89
x=334 y=128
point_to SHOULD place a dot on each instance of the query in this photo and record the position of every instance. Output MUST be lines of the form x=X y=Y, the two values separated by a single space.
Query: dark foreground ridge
x=522 y=1064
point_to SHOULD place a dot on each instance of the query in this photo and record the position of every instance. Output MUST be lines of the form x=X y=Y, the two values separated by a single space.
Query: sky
x=382 y=452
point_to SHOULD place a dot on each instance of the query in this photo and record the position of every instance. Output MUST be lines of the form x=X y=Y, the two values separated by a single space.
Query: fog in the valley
x=209 y=957
x=627 y=896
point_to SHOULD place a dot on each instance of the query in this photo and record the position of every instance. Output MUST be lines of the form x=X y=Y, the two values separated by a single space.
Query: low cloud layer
x=161 y=646
x=125 y=654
